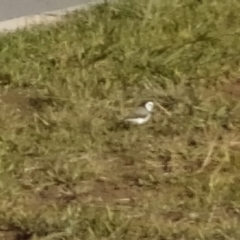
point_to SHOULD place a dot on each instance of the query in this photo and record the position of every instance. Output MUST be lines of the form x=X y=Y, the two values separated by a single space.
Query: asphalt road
x=10 y=9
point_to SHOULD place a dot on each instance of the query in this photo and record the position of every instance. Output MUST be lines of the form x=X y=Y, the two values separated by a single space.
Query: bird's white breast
x=139 y=120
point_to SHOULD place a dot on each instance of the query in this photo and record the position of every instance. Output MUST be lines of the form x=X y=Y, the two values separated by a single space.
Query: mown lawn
x=68 y=170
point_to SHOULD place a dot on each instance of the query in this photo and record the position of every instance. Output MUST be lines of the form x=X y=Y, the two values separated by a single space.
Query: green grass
x=67 y=171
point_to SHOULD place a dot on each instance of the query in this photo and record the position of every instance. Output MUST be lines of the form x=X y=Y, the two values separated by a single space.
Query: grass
x=69 y=172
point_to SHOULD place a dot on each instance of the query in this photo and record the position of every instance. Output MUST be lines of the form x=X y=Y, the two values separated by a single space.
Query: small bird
x=141 y=114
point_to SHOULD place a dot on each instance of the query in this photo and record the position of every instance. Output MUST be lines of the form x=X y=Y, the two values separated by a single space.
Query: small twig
x=208 y=157
x=164 y=109
x=52 y=236
x=41 y=119
x=234 y=143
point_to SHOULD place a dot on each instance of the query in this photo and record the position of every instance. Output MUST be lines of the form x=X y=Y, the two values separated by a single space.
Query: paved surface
x=15 y=14
x=10 y=9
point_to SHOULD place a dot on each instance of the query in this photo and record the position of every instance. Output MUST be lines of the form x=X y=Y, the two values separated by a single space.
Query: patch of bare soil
x=126 y=186
x=111 y=192
x=58 y=194
x=13 y=235
x=8 y=235
x=97 y=192
x=16 y=100
x=232 y=89
x=24 y=102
